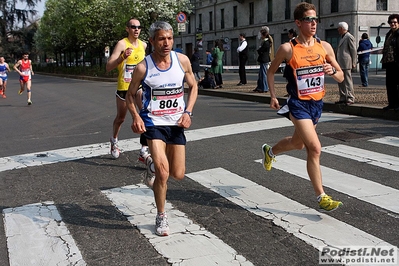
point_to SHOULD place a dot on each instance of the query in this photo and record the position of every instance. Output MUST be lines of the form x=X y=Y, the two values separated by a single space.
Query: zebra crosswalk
x=36 y=233
x=304 y=222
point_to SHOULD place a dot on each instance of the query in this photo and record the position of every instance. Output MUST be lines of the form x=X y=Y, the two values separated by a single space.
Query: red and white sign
x=181 y=17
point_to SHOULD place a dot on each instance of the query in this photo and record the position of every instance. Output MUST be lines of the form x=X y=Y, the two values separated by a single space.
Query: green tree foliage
x=14 y=36
x=72 y=26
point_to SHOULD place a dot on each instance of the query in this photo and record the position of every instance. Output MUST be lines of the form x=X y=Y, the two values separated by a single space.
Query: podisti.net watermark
x=357 y=255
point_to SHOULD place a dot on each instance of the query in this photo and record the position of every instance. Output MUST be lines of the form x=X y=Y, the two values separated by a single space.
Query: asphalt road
x=72 y=113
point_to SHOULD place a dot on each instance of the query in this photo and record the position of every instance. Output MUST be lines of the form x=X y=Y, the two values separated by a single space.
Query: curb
x=358 y=110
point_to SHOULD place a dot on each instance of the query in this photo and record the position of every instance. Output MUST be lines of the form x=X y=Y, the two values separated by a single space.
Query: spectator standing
x=217 y=69
x=264 y=60
x=195 y=64
x=364 y=59
x=346 y=57
x=390 y=61
x=242 y=51
x=209 y=57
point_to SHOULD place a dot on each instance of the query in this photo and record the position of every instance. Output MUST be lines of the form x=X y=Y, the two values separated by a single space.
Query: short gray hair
x=264 y=29
x=343 y=25
x=159 y=25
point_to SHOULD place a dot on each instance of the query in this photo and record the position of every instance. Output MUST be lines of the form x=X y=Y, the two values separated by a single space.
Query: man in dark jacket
x=390 y=62
x=364 y=58
x=263 y=59
x=195 y=64
x=242 y=51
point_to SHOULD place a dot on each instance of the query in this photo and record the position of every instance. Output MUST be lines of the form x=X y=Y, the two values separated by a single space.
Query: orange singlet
x=305 y=73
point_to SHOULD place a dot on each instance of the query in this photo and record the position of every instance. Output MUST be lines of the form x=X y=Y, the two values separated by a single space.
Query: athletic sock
x=320 y=196
x=271 y=154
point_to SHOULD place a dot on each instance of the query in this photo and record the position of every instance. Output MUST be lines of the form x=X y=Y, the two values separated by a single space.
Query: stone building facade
x=226 y=19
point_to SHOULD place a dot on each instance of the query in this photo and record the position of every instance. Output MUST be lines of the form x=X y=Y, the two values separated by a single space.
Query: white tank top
x=163 y=93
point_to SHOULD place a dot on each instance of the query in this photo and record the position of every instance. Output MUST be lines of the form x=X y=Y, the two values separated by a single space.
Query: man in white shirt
x=242 y=51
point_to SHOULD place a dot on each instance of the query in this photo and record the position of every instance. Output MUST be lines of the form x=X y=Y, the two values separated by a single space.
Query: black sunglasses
x=135 y=27
x=310 y=19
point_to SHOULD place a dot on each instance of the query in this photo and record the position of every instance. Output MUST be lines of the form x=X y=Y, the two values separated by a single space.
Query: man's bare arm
x=117 y=56
x=338 y=75
x=138 y=76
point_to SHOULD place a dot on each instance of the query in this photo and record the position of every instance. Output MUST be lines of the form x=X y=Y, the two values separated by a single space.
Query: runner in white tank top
x=163 y=91
x=164 y=114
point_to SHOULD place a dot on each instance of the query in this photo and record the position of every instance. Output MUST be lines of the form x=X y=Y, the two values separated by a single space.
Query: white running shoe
x=144 y=153
x=150 y=172
x=162 y=224
x=115 y=152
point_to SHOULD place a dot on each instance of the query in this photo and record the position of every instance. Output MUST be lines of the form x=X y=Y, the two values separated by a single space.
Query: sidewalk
x=370 y=96
x=369 y=101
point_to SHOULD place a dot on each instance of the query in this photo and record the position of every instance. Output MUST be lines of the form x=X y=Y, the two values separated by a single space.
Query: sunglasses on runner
x=310 y=19
x=135 y=27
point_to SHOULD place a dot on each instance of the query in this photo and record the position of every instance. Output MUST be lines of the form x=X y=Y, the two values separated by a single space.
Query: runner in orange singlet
x=308 y=61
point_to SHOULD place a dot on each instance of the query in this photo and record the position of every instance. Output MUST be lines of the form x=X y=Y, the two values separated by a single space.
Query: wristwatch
x=334 y=71
x=189 y=113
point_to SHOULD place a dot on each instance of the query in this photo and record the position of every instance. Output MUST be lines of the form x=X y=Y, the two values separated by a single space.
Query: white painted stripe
x=188 y=244
x=63 y=155
x=232 y=129
x=364 y=156
x=313 y=227
x=362 y=189
x=392 y=141
x=99 y=149
x=36 y=235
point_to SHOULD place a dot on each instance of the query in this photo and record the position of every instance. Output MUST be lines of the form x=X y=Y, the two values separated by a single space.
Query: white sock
x=144 y=149
x=320 y=196
x=114 y=140
x=271 y=154
x=152 y=167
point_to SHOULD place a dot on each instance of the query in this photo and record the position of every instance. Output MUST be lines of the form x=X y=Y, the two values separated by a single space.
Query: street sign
x=181 y=17
x=181 y=27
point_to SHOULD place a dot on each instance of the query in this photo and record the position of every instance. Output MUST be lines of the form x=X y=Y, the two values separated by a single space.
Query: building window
x=334 y=6
x=211 y=20
x=200 y=21
x=382 y=5
x=222 y=18
x=287 y=9
x=251 y=13
x=269 y=10
x=235 y=24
